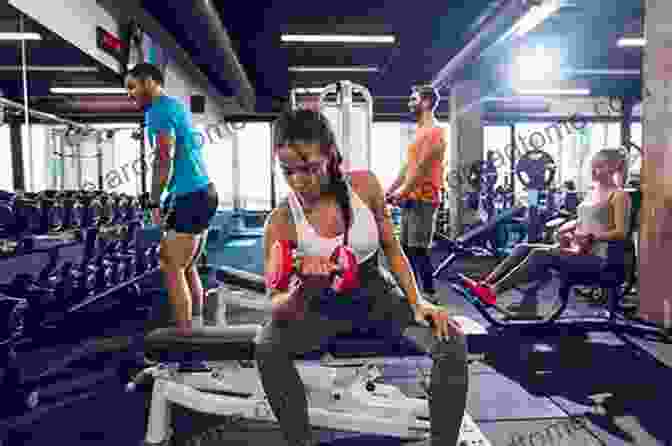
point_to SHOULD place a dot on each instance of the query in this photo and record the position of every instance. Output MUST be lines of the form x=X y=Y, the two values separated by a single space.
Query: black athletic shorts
x=191 y=213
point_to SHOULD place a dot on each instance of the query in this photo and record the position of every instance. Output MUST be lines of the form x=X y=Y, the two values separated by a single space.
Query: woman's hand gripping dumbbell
x=313 y=274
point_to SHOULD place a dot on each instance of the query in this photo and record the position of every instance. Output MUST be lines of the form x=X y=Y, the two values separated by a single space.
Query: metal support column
x=512 y=158
x=235 y=177
x=143 y=158
x=99 y=159
x=273 y=189
x=26 y=115
x=16 y=146
x=626 y=122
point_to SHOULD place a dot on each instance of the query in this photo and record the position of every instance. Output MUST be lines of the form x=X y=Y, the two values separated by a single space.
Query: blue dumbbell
x=12 y=318
x=93 y=209
x=125 y=253
x=7 y=220
x=28 y=216
x=52 y=215
x=73 y=213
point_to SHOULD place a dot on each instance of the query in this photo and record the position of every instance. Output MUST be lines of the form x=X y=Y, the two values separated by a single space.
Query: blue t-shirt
x=167 y=114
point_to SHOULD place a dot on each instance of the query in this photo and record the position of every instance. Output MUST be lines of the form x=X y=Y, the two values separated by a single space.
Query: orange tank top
x=430 y=187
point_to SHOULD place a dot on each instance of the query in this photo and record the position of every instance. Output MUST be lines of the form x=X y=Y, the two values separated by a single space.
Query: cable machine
x=340 y=102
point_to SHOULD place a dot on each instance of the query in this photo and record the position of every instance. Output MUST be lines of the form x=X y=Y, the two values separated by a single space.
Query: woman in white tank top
x=602 y=217
x=324 y=210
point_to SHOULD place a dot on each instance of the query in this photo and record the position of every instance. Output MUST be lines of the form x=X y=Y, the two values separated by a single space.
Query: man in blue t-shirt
x=179 y=172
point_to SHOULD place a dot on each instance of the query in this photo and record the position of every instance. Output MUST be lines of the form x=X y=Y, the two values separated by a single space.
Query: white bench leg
x=158 y=425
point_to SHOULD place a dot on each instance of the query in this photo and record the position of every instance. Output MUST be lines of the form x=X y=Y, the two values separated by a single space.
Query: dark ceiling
x=51 y=61
x=430 y=33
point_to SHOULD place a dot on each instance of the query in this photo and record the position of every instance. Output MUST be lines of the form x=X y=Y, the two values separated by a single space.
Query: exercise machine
x=342 y=378
x=536 y=172
x=477 y=242
x=349 y=109
x=482 y=177
x=611 y=281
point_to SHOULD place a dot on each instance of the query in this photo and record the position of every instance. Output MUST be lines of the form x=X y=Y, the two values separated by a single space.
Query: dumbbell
x=28 y=216
x=126 y=254
x=117 y=240
x=107 y=208
x=129 y=208
x=288 y=264
x=73 y=213
x=121 y=209
x=40 y=299
x=8 y=226
x=12 y=318
x=104 y=269
x=83 y=278
x=93 y=209
x=93 y=263
x=52 y=214
x=118 y=268
x=148 y=259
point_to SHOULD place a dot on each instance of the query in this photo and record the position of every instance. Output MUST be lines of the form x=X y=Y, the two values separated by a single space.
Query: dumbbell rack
x=20 y=392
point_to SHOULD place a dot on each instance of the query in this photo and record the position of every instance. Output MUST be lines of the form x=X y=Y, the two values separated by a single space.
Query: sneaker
x=484 y=292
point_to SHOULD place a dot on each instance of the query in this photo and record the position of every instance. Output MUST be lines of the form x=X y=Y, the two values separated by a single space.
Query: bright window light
x=20 y=36
x=75 y=90
x=631 y=41
x=336 y=38
x=535 y=16
x=554 y=92
x=536 y=64
x=353 y=69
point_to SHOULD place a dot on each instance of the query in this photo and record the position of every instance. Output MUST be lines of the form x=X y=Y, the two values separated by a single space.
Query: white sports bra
x=363 y=237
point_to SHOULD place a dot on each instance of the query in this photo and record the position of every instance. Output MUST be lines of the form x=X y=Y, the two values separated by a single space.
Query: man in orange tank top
x=419 y=186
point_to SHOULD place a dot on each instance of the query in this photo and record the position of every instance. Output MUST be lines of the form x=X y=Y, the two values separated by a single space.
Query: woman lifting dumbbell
x=602 y=217
x=180 y=172
x=324 y=278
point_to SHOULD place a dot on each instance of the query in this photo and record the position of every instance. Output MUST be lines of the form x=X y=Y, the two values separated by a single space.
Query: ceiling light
x=75 y=90
x=336 y=38
x=20 y=36
x=554 y=92
x=631 y=41
x=49 y=68
x=353 y=69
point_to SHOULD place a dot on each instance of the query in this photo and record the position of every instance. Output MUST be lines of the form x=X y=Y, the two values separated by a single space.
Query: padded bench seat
x=206 y=344
x=236 y=342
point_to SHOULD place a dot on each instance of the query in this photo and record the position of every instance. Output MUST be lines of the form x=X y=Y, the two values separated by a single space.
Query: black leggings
x=534 y=262
x=421 y=263
x=280 y=341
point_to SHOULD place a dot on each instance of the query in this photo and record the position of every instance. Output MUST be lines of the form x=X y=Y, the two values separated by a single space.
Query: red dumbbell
x=283 y=254
x=347 y=277
x=288 y=264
